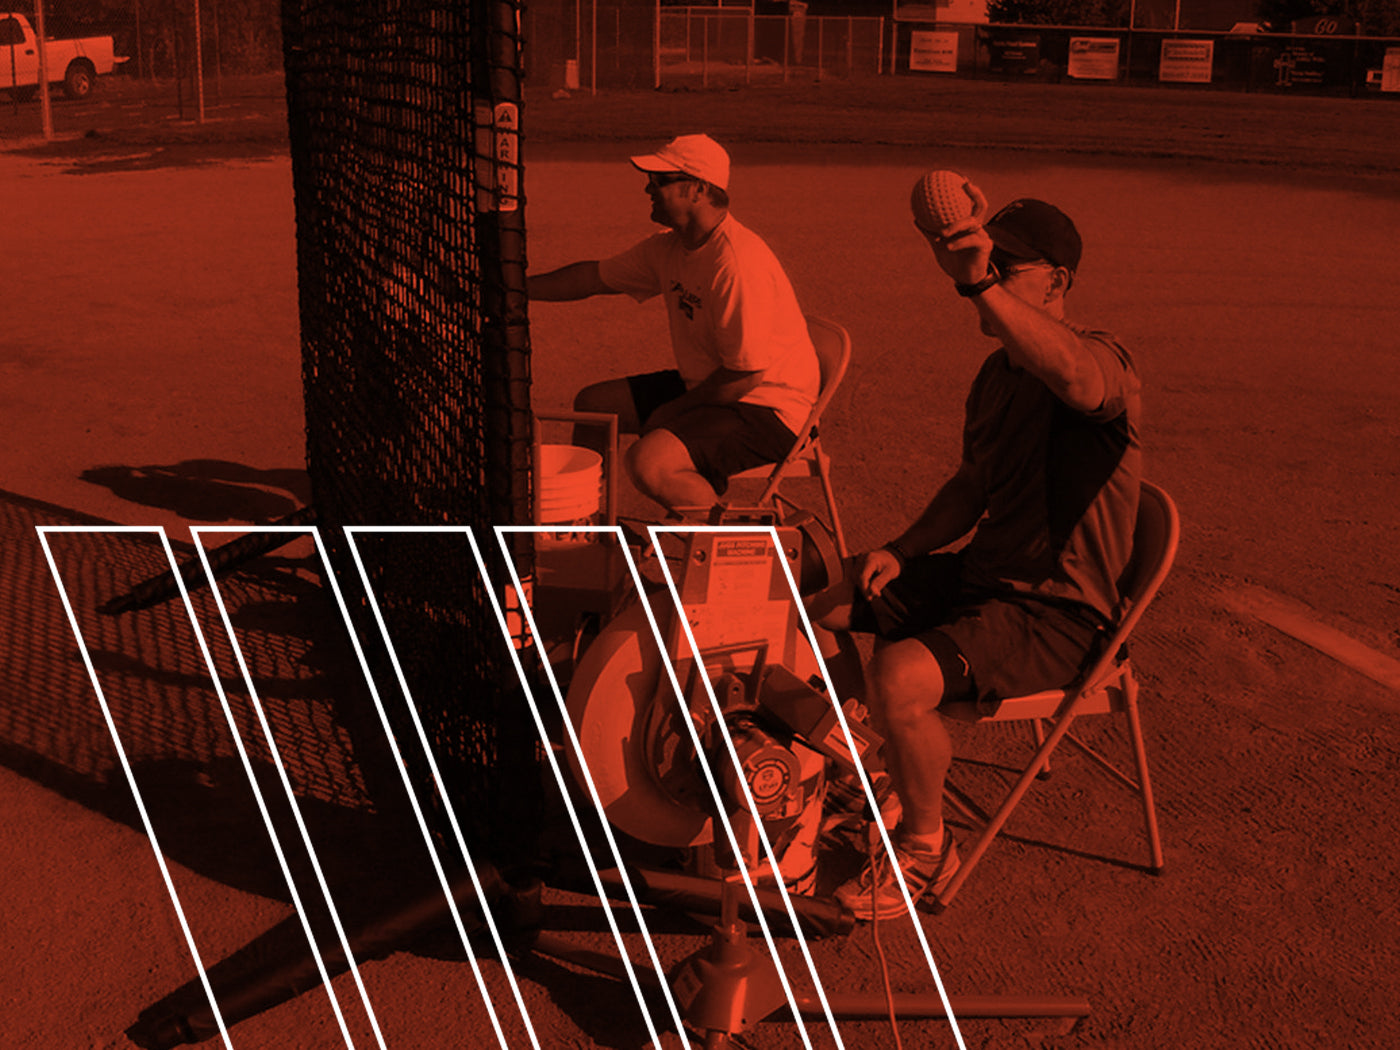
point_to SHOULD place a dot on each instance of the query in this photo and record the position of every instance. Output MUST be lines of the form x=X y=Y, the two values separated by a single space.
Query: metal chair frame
x=1107 y=687
x=807 y=458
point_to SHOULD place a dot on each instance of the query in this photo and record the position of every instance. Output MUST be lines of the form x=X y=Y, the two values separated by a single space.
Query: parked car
x=75 y=63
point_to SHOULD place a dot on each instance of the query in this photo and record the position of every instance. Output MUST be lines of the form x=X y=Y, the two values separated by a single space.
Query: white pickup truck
x=76 y=63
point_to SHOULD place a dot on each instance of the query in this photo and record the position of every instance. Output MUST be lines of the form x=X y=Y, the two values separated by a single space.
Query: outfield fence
x=1286 y=63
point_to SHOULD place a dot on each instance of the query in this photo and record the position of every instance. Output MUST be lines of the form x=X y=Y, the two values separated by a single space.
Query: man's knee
x=655 y=457
x=598 y=397
x=907 y=682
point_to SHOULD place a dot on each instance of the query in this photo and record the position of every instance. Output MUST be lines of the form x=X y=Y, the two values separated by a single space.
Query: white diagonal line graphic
x=275 y=752
x=528 y=615
x=742 y=780
x=715 y=793
x=871 y=801
x=350 y=533
x=43 y=531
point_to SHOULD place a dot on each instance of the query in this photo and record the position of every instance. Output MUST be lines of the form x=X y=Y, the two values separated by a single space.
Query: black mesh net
x=155 y=679
x=404 y=135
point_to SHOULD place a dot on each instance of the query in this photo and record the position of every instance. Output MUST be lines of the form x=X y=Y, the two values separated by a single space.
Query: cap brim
x=650 y=162
x=1013 y=245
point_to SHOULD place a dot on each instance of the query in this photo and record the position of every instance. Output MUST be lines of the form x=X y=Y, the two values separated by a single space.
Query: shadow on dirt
x=271 y=771
x=207 y=489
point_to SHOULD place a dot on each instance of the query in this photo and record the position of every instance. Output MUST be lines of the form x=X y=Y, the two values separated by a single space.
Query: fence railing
x=728 y=46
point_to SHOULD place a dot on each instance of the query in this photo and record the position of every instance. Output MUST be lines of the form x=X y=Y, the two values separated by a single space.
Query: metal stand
x=727 y=987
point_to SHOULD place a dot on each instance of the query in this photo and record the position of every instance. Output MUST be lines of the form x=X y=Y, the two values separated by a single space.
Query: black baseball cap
x=1029 y=229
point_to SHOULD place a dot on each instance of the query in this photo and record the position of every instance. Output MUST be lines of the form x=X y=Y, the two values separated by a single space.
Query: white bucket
x=568 y=488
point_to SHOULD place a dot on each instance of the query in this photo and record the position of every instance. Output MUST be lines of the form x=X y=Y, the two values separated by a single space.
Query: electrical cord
x=873 y=840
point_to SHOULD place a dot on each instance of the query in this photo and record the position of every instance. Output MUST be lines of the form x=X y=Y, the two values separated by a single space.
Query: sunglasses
x=666 y=178
x=1007 y=266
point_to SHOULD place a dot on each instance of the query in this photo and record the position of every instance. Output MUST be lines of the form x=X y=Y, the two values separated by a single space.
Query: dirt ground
x=150 y=376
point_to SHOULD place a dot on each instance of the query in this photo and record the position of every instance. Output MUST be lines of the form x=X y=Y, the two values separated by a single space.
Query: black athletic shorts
x=723 y=440
x=988 y=644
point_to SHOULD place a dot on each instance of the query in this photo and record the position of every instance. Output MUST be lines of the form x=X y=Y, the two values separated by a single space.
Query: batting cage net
x=410 y=238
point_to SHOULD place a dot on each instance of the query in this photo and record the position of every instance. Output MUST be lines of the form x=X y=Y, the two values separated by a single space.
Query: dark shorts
x=988 y=644
x=723 y=440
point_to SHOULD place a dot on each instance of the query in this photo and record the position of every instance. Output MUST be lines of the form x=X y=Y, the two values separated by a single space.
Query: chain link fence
x=727 y=46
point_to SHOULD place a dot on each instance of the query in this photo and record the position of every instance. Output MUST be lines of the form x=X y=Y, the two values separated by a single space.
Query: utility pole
x=198 y=63
x=45 y=108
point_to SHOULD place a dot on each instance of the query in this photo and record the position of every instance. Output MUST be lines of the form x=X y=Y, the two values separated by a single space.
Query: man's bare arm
x=576 y=281
x=953 y=512
x=1046 y=347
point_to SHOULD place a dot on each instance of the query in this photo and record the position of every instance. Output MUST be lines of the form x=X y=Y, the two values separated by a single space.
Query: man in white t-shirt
x=746 y=373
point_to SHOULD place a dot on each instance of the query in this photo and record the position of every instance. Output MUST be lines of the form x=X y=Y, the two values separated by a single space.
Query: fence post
x=821 y=23
x=787 y=43
x=748 y=54
x=198 y=64
x=850 y=47
x=880 y=47
x=705 y=53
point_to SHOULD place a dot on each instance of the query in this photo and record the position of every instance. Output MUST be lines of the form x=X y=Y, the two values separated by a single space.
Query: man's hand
x=964 y=248
x=877 y=569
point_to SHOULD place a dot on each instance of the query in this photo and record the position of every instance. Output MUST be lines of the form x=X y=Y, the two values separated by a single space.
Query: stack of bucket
x=568 y=491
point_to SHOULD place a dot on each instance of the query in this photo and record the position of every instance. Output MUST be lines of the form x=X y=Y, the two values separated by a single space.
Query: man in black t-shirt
x=1048 y=481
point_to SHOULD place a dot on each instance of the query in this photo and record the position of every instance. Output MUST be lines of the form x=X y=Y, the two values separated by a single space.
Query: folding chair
x=806 y=458
x=1107 y=687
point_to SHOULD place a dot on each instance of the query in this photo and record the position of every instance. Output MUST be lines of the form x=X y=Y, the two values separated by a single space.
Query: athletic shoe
x=874 y=893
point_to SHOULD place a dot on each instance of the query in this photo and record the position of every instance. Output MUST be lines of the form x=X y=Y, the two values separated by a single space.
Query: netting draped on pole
x=404 y=121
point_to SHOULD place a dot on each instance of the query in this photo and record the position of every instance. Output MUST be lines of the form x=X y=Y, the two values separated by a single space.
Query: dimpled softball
x=940 y=198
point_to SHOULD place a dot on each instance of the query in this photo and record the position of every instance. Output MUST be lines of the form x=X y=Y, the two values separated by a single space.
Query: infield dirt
x=1241 y=246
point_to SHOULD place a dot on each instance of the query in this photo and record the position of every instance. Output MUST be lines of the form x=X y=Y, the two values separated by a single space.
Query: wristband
x=900 y=554
x=969 y=291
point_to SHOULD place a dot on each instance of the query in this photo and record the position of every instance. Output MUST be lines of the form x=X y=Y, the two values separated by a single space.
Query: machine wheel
x=609 y=700
x=79 y=80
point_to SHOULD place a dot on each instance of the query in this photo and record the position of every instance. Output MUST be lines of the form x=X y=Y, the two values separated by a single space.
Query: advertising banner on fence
x=933 y=51
x=1390 y=70
x=1014 y=52
x=1300 y=64
x=1186 y=61
x=1093 y=57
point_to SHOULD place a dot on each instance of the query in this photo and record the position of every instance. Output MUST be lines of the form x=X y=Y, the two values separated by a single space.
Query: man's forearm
x=576 y=281
x=952 y=513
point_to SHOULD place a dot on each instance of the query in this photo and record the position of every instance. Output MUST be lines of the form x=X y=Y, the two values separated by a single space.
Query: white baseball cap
x=698 y=156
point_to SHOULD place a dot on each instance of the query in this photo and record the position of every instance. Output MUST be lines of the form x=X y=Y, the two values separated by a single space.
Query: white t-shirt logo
x=687 y=301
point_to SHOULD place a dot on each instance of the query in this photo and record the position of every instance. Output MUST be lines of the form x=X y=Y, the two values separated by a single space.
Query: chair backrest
x=833 y=346
x=1155 y=537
